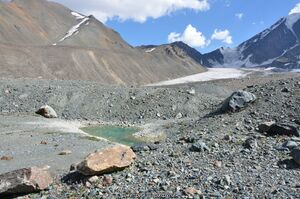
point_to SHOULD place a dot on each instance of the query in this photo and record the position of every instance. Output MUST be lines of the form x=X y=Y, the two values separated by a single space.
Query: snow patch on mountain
x=77 y=15
x=291 y=20
x=74 y=30
x=150 y=50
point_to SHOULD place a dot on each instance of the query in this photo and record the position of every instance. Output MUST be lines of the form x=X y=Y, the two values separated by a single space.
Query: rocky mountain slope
x=177 y=50
x=276 y=46
x=41 y=39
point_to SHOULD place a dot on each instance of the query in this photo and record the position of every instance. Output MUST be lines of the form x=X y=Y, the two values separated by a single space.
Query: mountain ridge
x=42 y=39
x=263 y=49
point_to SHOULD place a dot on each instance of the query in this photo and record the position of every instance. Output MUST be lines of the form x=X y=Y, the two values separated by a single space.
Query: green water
x=118 y=134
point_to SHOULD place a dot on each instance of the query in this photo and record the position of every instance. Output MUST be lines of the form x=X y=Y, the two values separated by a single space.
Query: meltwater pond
x=122 y=135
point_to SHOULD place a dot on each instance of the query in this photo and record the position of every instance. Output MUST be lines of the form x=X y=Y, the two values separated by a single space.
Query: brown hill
x=47 y=40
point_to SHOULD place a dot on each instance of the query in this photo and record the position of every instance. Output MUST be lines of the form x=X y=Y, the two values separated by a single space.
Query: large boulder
x=108 y=160
x=24 y=181
x=237 y=101
x=47 y=112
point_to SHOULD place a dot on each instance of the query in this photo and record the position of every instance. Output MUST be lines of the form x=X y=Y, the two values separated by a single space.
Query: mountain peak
x=291 y=20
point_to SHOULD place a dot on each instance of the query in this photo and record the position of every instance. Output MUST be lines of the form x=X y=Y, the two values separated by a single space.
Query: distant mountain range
x=42 y=39
x=277 y=46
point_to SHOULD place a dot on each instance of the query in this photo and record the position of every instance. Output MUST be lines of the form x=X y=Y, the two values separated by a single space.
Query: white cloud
x=223 y=35
x=239 y=15
x=190 y=36
x=296 y=9
x=136 y=10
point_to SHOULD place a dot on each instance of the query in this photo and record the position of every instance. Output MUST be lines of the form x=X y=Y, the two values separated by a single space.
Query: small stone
x=93 y=179
x=190 y=191
x=140 y=147
x=218 y=164
x=65 y=152
x=73 y=167
x=227 y=138
x=107 y=180
x=6 y=158
x=250 y=143
x=179 y=116
x=285 y=90
x=88 y=184
x=191 y=91
x=290 y=145
x=47 y=112
x=227 y=180
x=174 y=107
x=199 y=146
x=43 y=142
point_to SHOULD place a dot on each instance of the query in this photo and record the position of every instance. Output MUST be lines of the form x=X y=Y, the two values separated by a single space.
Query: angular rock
x=6 y=158
x=93 y=179
x=179 y=116
x=47 y=112
x=296 y=155
x=283 y=129
x=265 y=127
x=140 y=147
x=237 y=101
x=250 y=143
x=107 y=160
x=290 y=145
x=190 y=191
x=199 y=146
x=24 y=181
x=65 y=152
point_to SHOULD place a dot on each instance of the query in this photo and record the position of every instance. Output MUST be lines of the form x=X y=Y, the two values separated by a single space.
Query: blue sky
x=232 y=21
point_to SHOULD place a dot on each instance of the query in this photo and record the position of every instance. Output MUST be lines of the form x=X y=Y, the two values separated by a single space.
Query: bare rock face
x=237 y=101
x=106 y=161
x=47 y=112
x=24 y=181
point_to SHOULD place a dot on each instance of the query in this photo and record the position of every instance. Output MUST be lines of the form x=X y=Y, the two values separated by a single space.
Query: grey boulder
x=237 y=101
x=199 y=146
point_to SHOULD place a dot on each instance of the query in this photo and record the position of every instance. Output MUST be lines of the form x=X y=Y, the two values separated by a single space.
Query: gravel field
x=232 y=160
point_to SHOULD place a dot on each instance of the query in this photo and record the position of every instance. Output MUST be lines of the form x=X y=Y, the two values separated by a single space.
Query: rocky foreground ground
x=207 y=153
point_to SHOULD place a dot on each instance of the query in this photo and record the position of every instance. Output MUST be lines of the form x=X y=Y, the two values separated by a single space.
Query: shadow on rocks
x=73 y=178
x=288 y=164
x=14 y=195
